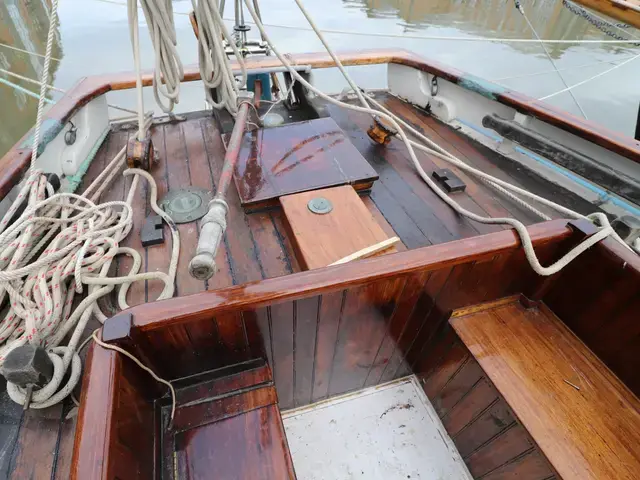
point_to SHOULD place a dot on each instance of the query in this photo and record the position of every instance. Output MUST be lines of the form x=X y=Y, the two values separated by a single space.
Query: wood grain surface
x=585 y=421
x=320 y=240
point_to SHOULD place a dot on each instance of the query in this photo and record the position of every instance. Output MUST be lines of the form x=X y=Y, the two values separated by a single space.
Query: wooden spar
x=214 y=223
x=233 y=150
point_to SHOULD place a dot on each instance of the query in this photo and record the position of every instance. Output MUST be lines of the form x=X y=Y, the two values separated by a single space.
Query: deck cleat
x=381 y=131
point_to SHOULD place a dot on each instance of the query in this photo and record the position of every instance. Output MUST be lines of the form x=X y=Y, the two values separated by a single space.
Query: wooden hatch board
x=295 y=158
x=321 y=239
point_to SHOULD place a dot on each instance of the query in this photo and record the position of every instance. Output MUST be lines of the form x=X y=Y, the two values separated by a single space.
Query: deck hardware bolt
x=320 y=205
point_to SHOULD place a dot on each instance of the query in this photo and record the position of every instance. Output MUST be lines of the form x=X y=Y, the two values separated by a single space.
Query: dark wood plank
x=387 y=359
x=35 y=449
x=453 y=380
x=458 y=144
x=239 y=242
x=179 y=176
x=192 y=416
x=62 y=470
x=10 y=420
x=330 y=316
x=282 y=341
x=530 y=465
x=502 y=449
x=481 y=396
x=307 y=315
x=490 y=423
x=224 y=382
x=252 y=445
x=367 y=312
x=273 y=258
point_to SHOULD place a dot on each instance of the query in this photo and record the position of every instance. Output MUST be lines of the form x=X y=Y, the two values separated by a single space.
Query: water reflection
x=97 y=30
x=489 y=18
x=23 y=24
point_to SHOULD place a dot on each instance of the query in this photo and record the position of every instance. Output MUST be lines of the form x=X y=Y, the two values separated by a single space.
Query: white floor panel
x=387 y=432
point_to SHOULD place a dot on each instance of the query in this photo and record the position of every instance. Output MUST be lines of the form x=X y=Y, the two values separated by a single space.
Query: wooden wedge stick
x=368 y=251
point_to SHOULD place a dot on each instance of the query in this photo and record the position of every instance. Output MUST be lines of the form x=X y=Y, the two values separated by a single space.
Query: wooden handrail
x=155 y=315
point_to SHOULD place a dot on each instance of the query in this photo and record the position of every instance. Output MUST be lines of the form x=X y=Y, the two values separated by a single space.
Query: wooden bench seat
x=228 y=427
x=584 y=420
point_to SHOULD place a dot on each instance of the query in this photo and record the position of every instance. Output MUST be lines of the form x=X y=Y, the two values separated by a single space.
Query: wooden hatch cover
x=322 y=239
x=296 y=158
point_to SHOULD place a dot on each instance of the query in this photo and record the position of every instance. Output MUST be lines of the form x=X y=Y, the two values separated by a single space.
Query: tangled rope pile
x=42 y=274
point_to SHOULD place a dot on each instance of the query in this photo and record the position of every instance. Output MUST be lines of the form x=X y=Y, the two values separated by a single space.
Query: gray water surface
x=93 y=38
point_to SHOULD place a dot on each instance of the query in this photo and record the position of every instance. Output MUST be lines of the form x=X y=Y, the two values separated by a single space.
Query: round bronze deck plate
x=186 y=204
x=320 y=205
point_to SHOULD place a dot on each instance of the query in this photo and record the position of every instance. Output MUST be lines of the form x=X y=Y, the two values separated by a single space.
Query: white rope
x=168 y=71
x=215 y=68
x=569 y=88
x=41 y=286
x=29 y=52
x=550 y=58
x=53 y=20
x=573 y=67
x=29 y=80
x=95 y=338
x=598 y=218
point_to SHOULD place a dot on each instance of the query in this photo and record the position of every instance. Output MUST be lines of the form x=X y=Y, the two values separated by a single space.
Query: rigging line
x=591 y=64
x=53 y=21
x=50 y=87
x=521 y=10
x=568 y=89
x=30 y=80
x=419 y=37
x=28 y=52
x=26 y=91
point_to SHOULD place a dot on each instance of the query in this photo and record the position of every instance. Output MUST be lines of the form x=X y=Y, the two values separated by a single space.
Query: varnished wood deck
x=39 y=444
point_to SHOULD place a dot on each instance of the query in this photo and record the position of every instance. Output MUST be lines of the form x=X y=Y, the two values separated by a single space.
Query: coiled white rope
x=215 y=68
x=41 y=285
x=598 y=218
x=168 y=71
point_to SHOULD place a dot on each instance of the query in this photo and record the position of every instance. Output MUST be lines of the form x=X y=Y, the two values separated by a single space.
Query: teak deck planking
x=256 y=246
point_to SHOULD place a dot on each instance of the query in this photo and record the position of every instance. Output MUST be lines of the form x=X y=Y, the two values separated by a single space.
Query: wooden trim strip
x=329 y=279
x=94 y=429
x=15 y=162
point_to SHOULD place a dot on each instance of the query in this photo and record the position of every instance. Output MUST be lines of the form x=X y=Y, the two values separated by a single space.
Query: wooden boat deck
x=39 y=444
